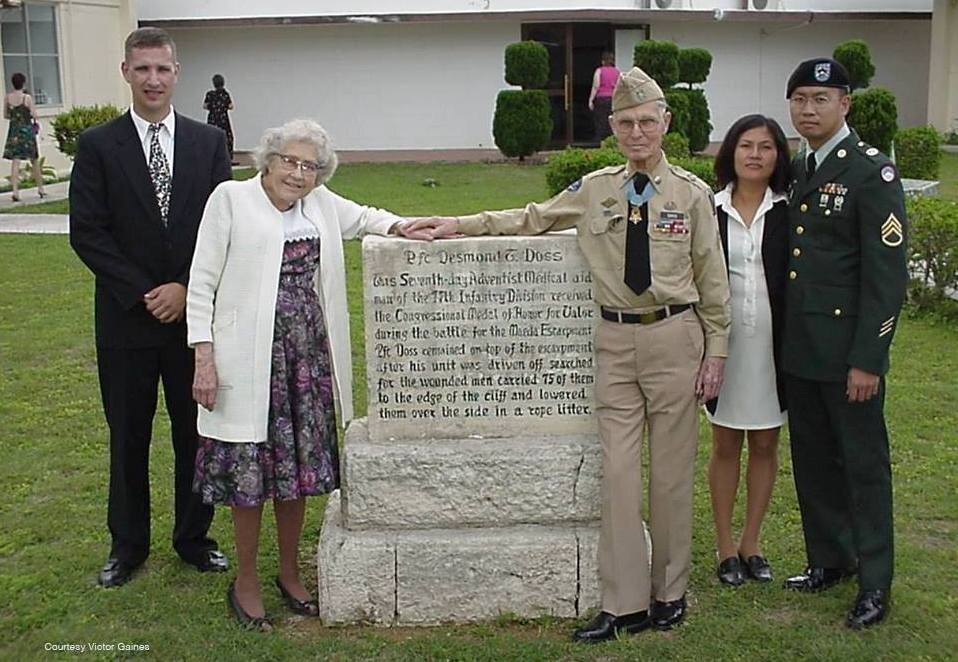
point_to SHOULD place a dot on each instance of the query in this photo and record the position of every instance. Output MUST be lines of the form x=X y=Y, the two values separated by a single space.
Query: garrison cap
x=819 y=72
x=634 y=88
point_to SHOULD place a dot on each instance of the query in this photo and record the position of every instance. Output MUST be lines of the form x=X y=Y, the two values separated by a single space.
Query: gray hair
x=298 y=130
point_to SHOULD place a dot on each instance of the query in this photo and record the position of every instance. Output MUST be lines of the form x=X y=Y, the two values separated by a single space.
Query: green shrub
x=675 y=146
x=874 y=116
x=660 y=60
x=856 y=58
x=609 y=142
x=572 y=164
x=933 y=245
x=527 y=65
x=68 y=126
x=522 y=124
x=917 y=153
x=697 y=126
x=950 y=137
x=695 y=64
x=701 y=167
x=678 y=103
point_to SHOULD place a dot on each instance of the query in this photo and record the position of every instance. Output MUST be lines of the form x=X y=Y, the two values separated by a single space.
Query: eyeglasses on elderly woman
x=291 y=164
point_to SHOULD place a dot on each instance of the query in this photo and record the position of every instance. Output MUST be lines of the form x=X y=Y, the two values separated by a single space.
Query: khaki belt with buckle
x=644 y=318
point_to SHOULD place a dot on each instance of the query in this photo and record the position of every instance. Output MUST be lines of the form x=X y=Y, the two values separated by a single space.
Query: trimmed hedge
x=916 y=152
x=933 y=245
x=696 y=124
x=68 y=126
x=572 y=164
x=659 y=59
x=695 y=64
x=522 y=123
x=856 y=58
x=527 y=65
x=874 y=116
x=675 y=146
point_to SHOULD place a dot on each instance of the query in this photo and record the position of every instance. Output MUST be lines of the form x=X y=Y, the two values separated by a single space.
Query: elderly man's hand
x=205 y=379
x=709 y=380
x=166 y=302
x=429 y=228
x=861 y=385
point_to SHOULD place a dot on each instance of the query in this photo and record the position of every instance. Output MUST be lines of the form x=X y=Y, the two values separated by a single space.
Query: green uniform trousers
x=843 y=479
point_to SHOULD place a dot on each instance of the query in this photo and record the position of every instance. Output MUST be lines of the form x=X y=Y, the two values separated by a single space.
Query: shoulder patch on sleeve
x=574 y=186
x=888 y=173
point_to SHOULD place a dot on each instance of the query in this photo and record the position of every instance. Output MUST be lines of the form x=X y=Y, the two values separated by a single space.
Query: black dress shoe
x=301 y=607
x=257 y=623
x=210 y=560
x=757 y=568
x=870 y=608
x=730 y=572
x=115 y=573
x=817 y=579
x=604 y=626
x=666 y=615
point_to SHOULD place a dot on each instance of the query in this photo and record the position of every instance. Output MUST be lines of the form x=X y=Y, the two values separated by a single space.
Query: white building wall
x=167 y=9
x=401 y=86
x=751 y=63
x=428 y=86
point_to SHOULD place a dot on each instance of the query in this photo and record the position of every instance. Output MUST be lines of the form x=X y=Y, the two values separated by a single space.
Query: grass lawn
x=55 y=454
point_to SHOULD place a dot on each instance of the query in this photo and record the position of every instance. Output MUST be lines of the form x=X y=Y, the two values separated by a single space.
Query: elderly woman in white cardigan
x=266 y=312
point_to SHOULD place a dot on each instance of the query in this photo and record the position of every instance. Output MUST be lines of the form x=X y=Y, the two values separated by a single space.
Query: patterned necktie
x=160 y=173
x=810 y=164
x=638 y=274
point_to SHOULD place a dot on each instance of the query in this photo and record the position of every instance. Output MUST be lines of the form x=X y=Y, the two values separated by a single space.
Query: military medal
x=671 y=222
x=635 y=214
x=838 y=202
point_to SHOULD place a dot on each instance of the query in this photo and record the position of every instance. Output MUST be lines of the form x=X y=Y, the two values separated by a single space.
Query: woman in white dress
x=752 y=165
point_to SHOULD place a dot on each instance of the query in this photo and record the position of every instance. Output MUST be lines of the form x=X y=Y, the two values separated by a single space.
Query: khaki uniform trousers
x=646 y=376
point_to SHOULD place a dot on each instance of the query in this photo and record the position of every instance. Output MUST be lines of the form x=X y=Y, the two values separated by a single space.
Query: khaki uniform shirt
x=686 y=260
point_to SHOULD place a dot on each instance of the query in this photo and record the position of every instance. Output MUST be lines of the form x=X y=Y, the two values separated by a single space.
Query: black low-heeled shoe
x=730 y=572
x=301 y=607
x=757 y=568
x=256 y=623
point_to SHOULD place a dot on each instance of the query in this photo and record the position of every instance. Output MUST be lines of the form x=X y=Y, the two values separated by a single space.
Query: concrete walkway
x=28 y=196
x=34 y=224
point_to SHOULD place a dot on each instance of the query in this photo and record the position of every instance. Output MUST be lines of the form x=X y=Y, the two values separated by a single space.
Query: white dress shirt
x=167 y=132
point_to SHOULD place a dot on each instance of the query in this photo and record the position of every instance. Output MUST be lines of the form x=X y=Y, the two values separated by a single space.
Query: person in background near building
x=137 y=192
x=648 y=232
x=21 y=142
x=847 y=279
x=219 y=103
x=600 y=98
x=752 y=166
x=267 y=316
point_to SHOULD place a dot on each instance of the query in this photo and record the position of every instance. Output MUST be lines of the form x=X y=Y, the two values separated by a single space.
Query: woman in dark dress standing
x=218 y=103
x=21 y=142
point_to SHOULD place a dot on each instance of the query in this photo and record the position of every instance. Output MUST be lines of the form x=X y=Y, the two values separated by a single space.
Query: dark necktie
x=638 y=275
x=810 y=165
x=160 y=173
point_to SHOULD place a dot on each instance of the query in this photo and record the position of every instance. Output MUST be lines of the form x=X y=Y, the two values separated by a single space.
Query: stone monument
x=471 y=489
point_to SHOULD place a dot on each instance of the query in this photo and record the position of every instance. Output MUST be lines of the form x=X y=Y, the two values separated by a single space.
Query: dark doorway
x=575 y=50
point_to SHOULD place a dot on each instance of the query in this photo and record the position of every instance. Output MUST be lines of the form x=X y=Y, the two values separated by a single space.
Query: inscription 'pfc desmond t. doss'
x=479 y=336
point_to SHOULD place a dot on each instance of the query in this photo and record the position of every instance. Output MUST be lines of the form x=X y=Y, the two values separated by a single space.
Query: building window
x=28 y=35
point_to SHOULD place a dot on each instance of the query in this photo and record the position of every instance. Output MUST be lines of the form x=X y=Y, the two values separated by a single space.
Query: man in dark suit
x=137 y=193
x=847 y=279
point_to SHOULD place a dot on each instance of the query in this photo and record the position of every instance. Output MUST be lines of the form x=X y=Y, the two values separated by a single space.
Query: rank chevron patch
x=886 y=327
x=891 y=231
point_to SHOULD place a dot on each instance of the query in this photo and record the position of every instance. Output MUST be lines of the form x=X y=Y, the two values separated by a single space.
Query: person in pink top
x=600 y=99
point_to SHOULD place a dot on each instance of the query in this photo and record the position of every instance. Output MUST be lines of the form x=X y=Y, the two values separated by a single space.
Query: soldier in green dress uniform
x=847 y=279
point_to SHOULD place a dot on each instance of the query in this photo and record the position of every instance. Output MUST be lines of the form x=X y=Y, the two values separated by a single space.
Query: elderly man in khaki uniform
x=649 y=234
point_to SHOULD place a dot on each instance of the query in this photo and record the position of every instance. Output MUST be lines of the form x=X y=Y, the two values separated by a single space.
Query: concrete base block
x=421 y=577
x=461 y=483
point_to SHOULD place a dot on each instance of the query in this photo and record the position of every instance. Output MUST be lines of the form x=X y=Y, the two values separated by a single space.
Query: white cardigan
x=231 y=298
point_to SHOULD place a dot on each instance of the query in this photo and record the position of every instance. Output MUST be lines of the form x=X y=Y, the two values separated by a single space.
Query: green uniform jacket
x=847 y=263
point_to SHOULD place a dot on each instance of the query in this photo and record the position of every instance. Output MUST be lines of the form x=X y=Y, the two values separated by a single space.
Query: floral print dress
x=300 y=456
x=21 y=141
x=218 y=103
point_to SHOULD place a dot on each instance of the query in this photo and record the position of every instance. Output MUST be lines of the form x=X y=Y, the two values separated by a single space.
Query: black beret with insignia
x=820 y=72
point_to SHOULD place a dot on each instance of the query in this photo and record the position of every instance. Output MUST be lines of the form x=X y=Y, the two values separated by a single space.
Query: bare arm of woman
x=595 y=88
x=205 y=380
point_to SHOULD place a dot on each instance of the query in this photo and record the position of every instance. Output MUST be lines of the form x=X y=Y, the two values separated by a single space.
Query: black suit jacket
x=775 y=262
x=115 y=224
